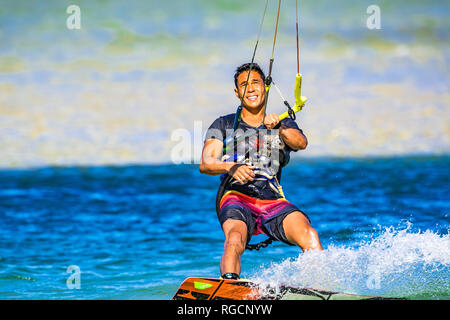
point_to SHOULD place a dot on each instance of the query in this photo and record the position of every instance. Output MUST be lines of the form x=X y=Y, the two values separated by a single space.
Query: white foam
x=395 y=263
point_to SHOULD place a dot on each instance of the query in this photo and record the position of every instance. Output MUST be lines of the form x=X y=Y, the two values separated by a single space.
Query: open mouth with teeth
x=252 y=98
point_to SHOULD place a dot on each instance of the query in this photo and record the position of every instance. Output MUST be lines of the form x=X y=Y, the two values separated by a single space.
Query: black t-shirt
x=265 y=150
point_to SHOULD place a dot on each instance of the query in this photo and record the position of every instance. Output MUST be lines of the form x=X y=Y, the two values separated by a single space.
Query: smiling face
x=255 y=93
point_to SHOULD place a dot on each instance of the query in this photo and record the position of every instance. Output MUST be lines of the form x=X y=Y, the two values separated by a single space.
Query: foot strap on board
x=230 y=276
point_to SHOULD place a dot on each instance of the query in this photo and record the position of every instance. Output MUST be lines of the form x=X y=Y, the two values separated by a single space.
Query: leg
x=235 y=241
x=298 y=231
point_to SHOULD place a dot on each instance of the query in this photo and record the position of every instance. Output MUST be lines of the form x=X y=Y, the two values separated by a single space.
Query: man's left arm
x=293 y=137
x=291 y=134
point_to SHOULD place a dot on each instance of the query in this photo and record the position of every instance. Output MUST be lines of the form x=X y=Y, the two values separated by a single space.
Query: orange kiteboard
x=224 y=289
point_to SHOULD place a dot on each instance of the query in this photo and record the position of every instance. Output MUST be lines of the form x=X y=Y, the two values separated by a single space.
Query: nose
x=250 y=87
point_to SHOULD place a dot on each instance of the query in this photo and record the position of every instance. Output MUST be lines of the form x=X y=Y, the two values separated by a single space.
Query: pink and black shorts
x=261 y=216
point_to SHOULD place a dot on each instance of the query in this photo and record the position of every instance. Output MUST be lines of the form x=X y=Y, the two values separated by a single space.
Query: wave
x=396 y=263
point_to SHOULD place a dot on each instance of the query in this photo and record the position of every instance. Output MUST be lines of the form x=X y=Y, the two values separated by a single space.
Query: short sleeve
x=289 y=123
x=216 y=130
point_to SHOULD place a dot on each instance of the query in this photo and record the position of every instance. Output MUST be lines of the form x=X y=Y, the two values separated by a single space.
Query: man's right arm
x=210 y=163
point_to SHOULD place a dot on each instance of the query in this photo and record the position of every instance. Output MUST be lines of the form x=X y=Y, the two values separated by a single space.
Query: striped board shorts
x=260 y=216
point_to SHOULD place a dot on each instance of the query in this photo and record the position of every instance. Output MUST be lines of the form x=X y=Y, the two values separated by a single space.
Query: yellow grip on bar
x=299 y=99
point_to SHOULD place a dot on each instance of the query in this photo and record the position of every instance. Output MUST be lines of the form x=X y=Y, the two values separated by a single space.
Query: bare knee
x=302 y=234
x=235 y=242
x=310 y=231
x=311 y=239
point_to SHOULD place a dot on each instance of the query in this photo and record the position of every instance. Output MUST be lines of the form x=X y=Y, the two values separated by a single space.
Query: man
x=254 y=202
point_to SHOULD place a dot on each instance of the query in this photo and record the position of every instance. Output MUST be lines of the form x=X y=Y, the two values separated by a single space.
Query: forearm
x=213 y=166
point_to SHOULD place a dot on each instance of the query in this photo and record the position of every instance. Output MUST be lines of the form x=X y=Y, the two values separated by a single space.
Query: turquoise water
x=136 y=232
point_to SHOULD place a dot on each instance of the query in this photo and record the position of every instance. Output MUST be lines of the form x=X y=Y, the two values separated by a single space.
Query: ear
x=236 y=91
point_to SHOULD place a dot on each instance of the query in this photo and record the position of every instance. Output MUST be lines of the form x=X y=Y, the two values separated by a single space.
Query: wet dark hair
x=246 y=67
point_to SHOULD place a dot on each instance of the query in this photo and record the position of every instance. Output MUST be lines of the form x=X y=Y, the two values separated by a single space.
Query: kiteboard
x=223 y=289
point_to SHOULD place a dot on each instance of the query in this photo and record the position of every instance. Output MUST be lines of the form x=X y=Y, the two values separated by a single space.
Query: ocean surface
x=136 y=232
